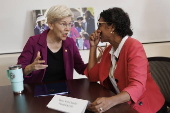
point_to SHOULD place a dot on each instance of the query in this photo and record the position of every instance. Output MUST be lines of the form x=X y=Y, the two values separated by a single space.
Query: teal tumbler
x=15 y=75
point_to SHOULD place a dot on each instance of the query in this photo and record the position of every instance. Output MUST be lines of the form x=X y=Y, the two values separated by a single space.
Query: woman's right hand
x=94 y=38
x=38 y=64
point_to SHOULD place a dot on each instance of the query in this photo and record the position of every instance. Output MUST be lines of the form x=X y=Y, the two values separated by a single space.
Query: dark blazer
x=71 y=56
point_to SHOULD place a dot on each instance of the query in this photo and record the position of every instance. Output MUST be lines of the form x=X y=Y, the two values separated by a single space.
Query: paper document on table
x=68 y=104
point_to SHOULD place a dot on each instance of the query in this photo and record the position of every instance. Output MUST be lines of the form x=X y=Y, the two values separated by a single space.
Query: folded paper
x=68 y=104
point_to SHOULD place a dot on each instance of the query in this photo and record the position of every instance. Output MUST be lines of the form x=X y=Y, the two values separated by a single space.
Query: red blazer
x=133 y=76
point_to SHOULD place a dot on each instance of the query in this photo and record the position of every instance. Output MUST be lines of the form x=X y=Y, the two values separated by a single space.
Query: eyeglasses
x=65 y=25
x=100 y=23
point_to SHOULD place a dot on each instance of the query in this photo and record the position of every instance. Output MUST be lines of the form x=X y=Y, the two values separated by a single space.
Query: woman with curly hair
x=124 y=68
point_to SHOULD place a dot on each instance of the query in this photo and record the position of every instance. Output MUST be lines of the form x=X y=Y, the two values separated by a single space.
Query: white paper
x=68 y=104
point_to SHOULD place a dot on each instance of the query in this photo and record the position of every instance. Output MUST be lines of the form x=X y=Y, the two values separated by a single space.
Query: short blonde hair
x=58 y=12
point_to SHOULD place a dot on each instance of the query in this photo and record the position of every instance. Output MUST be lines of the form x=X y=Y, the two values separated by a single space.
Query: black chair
x=160 y=69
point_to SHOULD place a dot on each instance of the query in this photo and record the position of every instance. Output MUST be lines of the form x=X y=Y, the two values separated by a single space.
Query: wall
x=157 y=49
x=150 y=18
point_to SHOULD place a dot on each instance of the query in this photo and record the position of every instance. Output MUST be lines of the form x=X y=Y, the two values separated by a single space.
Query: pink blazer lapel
x=105 y=64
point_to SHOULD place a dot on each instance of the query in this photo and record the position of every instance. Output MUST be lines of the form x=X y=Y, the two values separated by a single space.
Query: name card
x=68 y=104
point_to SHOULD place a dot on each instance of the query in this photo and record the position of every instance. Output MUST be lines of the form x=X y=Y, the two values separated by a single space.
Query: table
x=79 y=88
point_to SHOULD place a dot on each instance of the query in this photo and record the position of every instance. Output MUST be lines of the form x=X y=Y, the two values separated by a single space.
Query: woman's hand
x=38 y=64
x=94 y=38
x=101 y=105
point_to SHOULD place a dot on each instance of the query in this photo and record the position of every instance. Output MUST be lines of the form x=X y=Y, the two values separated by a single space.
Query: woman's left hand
x=101 y=105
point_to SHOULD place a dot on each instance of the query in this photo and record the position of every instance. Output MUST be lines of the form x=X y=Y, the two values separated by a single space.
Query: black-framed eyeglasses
x=100 y=23
x=65 y=25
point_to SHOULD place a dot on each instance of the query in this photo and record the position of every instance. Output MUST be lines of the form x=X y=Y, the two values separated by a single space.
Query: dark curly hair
x=119 y=19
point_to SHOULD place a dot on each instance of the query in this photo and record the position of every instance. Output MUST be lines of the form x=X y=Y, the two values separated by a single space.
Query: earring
x=111 y=32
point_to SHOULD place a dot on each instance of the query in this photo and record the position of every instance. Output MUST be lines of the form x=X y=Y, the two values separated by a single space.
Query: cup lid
x=13 y=67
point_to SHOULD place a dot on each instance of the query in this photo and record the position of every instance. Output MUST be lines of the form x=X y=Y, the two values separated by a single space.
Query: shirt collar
x=117 y=52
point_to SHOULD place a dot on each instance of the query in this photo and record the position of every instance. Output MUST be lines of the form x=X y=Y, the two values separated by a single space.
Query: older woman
x=52 y=56
x=124 y=67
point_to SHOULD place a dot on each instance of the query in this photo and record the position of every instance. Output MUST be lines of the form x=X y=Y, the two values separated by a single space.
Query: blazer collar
x=105 y=64
x=42 y=38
